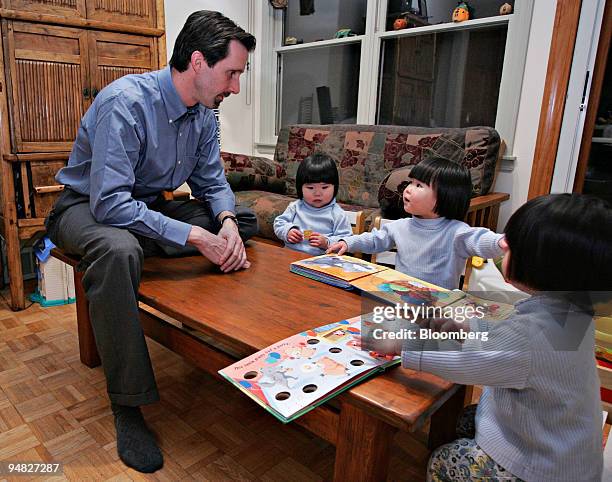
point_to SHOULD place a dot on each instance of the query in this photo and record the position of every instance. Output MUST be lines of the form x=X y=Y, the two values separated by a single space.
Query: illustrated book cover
x=294 y=375
x=335 y=270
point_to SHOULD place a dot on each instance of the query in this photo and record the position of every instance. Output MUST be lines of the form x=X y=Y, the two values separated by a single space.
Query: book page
x=298 y=371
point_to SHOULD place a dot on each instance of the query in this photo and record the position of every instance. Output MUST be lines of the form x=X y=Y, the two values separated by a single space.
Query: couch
x=366 y=155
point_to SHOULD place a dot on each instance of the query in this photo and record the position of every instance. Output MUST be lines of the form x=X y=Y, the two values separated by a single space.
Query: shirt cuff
x=412 y=360
x=219 y=205
x=177 y=232
x=495 y=248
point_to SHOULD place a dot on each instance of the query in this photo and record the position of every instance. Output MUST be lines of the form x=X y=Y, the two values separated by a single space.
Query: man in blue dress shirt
x=142 y=135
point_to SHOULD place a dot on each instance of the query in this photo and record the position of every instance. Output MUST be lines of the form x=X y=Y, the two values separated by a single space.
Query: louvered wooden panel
x=47 y=73
x=65 y=8
x=108 y=74
x=114 y=55
x=140 y=12
x=55 y=118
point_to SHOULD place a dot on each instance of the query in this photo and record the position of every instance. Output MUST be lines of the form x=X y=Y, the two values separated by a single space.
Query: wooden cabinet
x=51 y=72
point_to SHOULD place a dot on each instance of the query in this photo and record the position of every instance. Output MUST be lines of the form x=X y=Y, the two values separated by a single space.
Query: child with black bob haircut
x=434 y=244
x=539 y=415
x=314 y=221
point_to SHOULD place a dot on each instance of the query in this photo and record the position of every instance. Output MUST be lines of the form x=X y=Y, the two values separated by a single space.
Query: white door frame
x=578 y=92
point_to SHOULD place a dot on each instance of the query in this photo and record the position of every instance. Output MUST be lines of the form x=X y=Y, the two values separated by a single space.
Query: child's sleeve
x=376 y=241
x=477 y=242
x=342 y=226
x=284 y=222
x=503 y=360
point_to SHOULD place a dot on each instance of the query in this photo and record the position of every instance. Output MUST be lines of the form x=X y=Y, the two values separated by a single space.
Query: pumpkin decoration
x=400 y=23
x=505 y=9
x=461 y=12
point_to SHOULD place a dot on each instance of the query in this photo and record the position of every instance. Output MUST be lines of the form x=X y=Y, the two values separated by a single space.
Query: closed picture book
x=335 y=270
x=293 y=376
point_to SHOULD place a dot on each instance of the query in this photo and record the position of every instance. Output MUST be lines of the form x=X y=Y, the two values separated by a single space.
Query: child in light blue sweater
x=434 y=244
x=313 y=222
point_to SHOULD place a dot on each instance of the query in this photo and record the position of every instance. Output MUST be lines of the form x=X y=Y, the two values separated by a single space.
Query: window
x=319 y=86
x=448 y=79
x=346 y=63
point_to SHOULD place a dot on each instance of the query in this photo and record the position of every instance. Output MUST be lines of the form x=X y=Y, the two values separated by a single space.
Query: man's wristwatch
x=229 y=216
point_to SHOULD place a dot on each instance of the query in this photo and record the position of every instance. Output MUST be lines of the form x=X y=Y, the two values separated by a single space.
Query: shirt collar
x=174 y=105
x=431 y=224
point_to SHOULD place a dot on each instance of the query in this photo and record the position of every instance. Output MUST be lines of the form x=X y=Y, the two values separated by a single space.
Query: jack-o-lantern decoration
x=505 y=9
x=400 y=23
x=461 y=12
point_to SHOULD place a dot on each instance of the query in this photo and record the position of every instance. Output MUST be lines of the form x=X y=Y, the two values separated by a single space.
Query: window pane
x=320 y=86
x=430 y=12
x=329 y=16
x=447 y=79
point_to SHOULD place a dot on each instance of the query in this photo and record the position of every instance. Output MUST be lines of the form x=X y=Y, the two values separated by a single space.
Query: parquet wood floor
x=54 y=409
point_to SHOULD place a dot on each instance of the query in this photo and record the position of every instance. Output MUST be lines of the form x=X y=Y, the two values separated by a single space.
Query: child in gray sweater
x=539 y=415
x=434 y=244
x=314 y=221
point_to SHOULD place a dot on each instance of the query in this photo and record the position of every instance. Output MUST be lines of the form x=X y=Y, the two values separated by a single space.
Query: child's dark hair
x=561 y=242
x=451 y=183
x=317 y=167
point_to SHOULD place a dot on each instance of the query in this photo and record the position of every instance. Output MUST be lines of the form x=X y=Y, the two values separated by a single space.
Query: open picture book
x=293 y=376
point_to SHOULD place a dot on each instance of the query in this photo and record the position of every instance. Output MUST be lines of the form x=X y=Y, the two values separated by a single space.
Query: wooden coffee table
x=234 y=315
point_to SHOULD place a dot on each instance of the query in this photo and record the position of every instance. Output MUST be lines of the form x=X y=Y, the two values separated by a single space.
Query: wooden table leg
x=443 y=423
x=87 y=343
x=362 y=449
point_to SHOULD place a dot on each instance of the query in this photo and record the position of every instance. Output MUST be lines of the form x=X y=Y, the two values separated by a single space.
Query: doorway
x=594 y=167
x=584 y=156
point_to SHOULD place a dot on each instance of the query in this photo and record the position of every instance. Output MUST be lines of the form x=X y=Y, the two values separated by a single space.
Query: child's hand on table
x=294 y=236
x=318 y=240
x=340 y=247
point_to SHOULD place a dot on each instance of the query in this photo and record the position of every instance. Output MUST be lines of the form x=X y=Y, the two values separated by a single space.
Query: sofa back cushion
x=365 y=154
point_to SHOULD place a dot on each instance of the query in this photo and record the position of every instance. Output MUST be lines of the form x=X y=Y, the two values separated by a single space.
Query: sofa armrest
x=246 y=173
x=484 y=210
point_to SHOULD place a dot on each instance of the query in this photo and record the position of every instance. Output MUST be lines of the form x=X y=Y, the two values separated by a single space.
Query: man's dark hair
x=561 y=242
x=210 y=33
x=317 y=167
x=451 y=183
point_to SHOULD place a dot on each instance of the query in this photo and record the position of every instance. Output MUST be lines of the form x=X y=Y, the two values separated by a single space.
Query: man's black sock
x=136 y=444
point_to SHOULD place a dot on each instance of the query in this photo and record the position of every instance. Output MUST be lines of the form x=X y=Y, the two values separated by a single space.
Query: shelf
x=320 y=44
x=449 y=26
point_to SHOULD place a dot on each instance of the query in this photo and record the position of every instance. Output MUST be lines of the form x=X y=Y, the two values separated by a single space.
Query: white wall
x=236 y=111
x=516 y=183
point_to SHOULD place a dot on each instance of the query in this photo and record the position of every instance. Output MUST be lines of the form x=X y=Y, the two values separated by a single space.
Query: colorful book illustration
x=293 y=376
x=335 y=270
x=486 y=309
x=394 y=287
